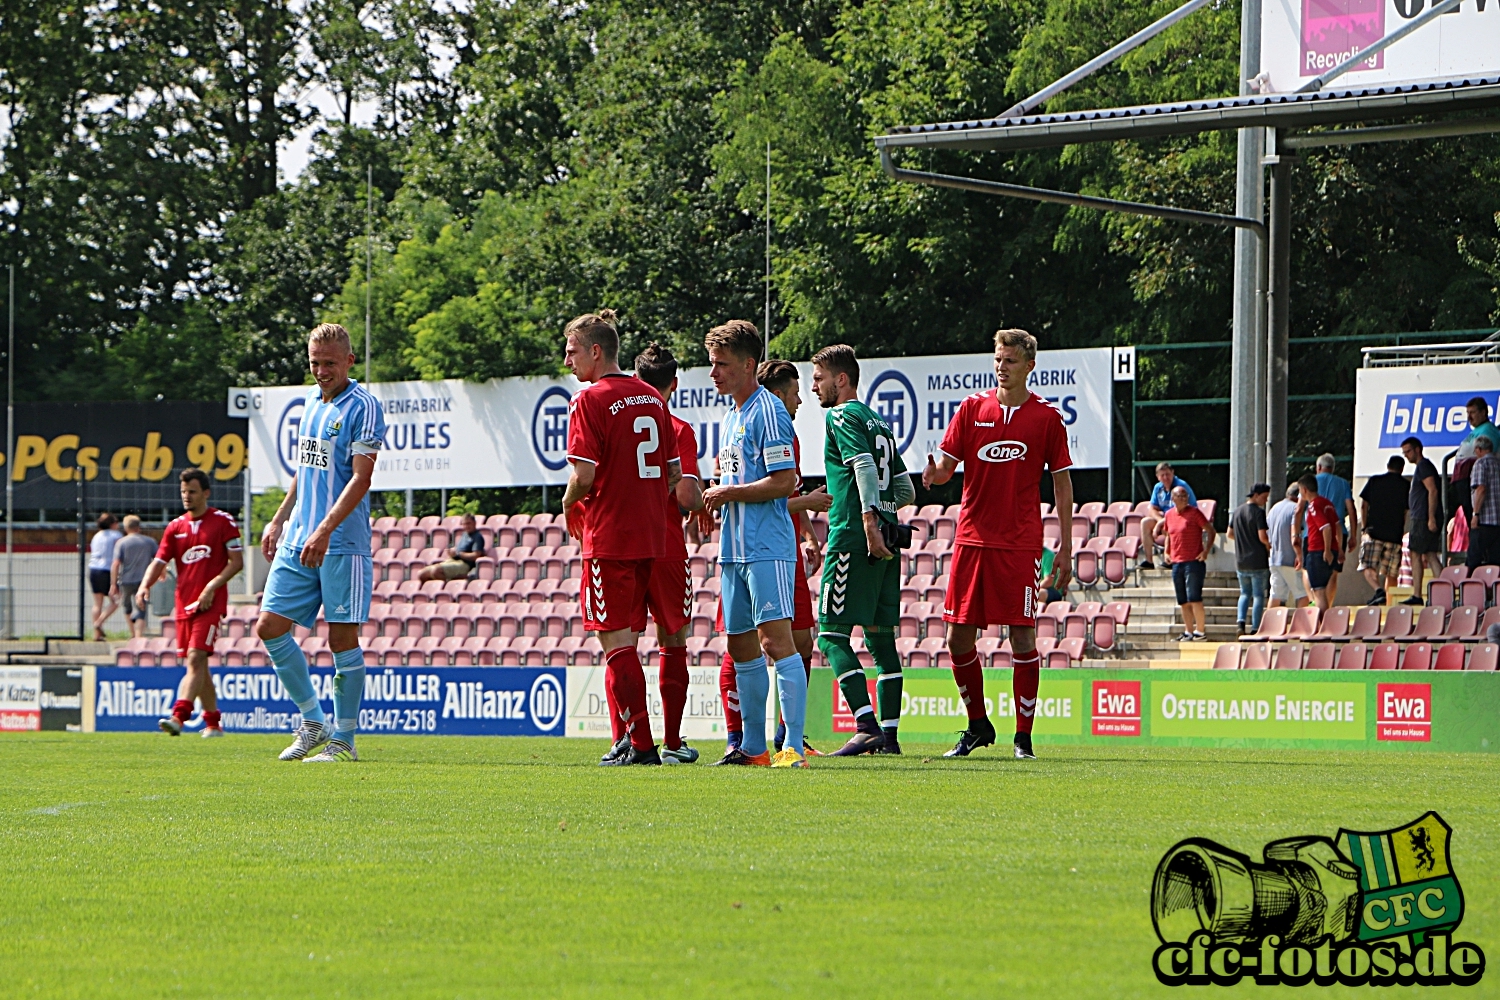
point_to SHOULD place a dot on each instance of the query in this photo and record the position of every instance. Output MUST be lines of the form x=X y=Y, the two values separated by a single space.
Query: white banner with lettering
x=513 y=432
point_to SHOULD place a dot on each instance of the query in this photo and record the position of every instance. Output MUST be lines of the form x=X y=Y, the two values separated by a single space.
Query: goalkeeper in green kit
x=861 y=573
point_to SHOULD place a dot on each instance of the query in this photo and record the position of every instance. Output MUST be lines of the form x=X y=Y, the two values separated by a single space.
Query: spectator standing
x=1463 y=460
x=462 y=556
x=1287 y=588
x=1252 y=556
x=1484 y=532
x=101 y=558
x=1188 y=537
x=1161 y=503
x=1336 y=490
x=133 y=555
x=1383 y=512
x=1325 y=540
x=1424 y=539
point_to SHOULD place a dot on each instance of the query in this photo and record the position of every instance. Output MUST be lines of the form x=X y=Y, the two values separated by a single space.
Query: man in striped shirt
x=318 y=545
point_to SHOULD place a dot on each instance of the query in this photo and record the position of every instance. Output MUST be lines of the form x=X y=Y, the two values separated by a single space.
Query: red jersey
x=621 y=425
x=1320 y=512
x=1004 y=451
x=687 y=453
x=201 y=548
x=1184 y=533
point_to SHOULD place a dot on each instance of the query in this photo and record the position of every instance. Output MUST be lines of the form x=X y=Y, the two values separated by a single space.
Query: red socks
x=1027 y=676
x=625 y=681
x=729 y=696
x=970 y=680
x=182 y=709
x=211 y=719
x=616 y=726
x=673 y=680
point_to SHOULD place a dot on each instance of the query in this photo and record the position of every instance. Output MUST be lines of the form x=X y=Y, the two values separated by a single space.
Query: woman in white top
x=101 y=557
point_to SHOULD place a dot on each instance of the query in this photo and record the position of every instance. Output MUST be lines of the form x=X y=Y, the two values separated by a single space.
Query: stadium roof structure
x=1282 y=111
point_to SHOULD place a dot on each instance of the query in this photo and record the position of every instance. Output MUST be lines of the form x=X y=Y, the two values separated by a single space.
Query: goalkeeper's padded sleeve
x=903 y=490
x=867 y=479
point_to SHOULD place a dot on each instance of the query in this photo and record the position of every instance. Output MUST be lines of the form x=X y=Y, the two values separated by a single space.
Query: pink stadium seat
x=127 y=655
x=1258 y=656
x=169 y=631
x=1102 y=631
x=381 y=652
x=1418 y=656
x=1049 y=625
x=1441 y=593
x=1450 y=657
x=1491 y=617
x=442 y=538
x=429 y=650
x=1303 y=623
x=1430 y=623
x=1107 y=526
x=904 y=646
x=1488 y=575
x=1289 y=656
x=1484 y=656
x=479 y=651
x=1473 y=593
x=1227 y=656
x=1397 y=623
x=1364 y=624
x=1335 y=624
x=1352 y=656
x=1272 y=624
x=1073 y=647
x=926 y=652
x=1209 y=508
x=1086 y=567
x=406 y=649
x=457 y=653
x=1385 y=656
x=1463 y=622
x=1320 y=656
x=1457 y=574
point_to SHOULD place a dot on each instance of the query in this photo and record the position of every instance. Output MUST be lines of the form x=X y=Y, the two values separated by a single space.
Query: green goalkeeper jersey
x=855 y=429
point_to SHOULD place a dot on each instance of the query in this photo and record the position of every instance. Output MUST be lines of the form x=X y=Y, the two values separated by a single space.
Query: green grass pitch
x=142 y=866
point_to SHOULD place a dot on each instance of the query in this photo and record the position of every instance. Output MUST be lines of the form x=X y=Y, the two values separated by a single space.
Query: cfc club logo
x=287 y=429
x=546 y=702
x=549 y=428
x=1375 y=909
x=194 y=554
x=1002 y=451
x=892 y=396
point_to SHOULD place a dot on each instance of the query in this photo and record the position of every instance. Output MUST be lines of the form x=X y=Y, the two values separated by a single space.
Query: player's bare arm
x=153 y=573
x=818 y=500
x=271 y=535
x=231 y=570
x=580 y=481
x=939 y=470
x=778 y=484
x=674 y=474
x=1062 y=493
x=316 y=546
x=689 y=493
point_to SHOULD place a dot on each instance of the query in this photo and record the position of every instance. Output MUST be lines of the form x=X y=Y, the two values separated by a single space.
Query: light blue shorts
x=341 y=586
x=757 y=592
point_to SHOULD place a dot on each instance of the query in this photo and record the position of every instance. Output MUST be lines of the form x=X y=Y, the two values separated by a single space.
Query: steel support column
x=1278 y=302
x=1247 y=420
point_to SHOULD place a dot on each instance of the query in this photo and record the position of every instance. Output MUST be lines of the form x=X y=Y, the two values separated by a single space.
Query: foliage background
x=533 y=160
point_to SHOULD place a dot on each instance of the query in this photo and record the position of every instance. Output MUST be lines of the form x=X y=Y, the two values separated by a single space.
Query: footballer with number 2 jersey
x=1006 y=438
x=623 y=449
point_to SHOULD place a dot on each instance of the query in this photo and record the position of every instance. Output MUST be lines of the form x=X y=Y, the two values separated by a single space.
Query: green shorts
x=856 y=593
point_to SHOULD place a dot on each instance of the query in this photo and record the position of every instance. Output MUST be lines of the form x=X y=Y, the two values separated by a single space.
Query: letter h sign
x=554 y=427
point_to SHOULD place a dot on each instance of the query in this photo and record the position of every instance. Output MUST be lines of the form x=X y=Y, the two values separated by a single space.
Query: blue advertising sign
x=1439 y=419
x=441 y=701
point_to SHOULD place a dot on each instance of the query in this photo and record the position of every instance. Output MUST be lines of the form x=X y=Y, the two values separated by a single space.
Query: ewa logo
x=546 y=702
x=1002 y=451
x=195 y=554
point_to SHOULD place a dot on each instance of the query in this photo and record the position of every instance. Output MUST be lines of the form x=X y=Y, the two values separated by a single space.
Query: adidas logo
x=339 y=610
x=767 y=606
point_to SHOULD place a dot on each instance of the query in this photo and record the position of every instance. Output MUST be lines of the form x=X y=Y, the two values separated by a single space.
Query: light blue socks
x=791 y=688
x=348 y=689
x=754 y=685
x=291 y=668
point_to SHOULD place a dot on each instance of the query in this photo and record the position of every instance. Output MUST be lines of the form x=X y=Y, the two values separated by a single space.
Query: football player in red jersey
x=623 y=450
x=670 y=580
x=1004 y=437
x=205 y=542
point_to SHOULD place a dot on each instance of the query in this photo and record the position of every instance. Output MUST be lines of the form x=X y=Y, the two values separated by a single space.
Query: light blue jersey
x=755 y=441
x=329 y=437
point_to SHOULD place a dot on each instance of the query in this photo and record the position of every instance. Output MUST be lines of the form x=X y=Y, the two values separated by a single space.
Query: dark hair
x=196 y=476
x=596 y=328
x=739 y=337
x=1395 y=464
x=776 y=375
x=1480 y=402
x=1308 y=482
x=656 y=367
x=1482 y=440
x=839 y=359
x=1413 y=442
x=106 y=520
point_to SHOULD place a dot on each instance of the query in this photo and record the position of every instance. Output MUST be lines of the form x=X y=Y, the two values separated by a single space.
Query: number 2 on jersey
x=646 y=447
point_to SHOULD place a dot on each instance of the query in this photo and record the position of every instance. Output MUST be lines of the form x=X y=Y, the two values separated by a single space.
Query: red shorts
x=669 y=596
x=991 y=587
x=618 y=592
x=802 y=608
x=197 y=632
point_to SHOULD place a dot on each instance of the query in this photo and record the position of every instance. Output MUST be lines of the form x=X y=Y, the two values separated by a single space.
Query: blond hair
x=329 y=333
x=131 y=522
x=596 y=328
x=739 y=337
x=1019 y=339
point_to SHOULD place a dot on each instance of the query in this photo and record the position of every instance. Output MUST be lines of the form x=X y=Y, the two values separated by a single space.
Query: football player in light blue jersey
x=318 y=545
x=757 y=549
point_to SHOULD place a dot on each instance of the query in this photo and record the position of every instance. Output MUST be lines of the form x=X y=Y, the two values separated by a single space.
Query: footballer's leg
x=772 y=595
x=670 y=599
x=195 y=638
x=293 y=593
x=848 y=599
x=804 y=630
x=346 y=582
x=729 y=698
x=752 y=685
x=1026 y=677
x=964 y=610
x=619 y=617
x=880 y=638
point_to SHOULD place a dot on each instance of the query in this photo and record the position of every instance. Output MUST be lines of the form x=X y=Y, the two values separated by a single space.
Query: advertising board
x=702 y=718
x=1425 y=402
x=1301 y=39
x=514 y=432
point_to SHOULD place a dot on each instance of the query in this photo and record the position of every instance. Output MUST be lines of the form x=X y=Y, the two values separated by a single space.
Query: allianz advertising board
x=1425 y=402
x=514 y=431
